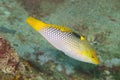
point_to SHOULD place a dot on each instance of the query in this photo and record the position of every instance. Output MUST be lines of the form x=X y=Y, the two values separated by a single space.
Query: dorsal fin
x=61 y=28
x=38 y=25
x=79 y=36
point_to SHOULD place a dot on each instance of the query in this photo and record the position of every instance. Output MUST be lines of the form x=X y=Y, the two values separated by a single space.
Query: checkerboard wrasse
x=65 y=40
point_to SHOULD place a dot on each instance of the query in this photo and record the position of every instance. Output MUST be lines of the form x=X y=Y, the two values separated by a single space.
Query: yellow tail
x=36 y=24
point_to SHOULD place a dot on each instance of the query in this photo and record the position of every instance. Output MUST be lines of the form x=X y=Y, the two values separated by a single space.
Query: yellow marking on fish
x=91 y=56
x=65 y=40
x=38 y=25
x=82 y=38
x=61 y=28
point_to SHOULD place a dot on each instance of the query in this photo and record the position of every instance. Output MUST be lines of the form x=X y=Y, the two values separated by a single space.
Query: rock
x=8 y=57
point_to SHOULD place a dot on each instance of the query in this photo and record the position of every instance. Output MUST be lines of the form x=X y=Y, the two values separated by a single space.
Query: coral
x=8 y=57
x=24 y=72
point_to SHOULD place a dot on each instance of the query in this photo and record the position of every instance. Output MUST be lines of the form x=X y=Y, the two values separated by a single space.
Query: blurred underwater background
x=26 y=55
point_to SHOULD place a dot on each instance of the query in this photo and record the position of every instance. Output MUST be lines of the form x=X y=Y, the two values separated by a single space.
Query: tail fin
x=36 y=24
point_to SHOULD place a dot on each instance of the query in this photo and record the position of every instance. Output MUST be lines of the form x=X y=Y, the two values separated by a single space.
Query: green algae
x=97 y=20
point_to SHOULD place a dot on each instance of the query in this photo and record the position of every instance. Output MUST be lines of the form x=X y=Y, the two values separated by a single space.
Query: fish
x=66 y=40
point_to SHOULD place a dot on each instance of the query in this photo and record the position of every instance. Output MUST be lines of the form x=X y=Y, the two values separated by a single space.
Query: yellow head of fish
x=65 y=40
x=88 y=52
